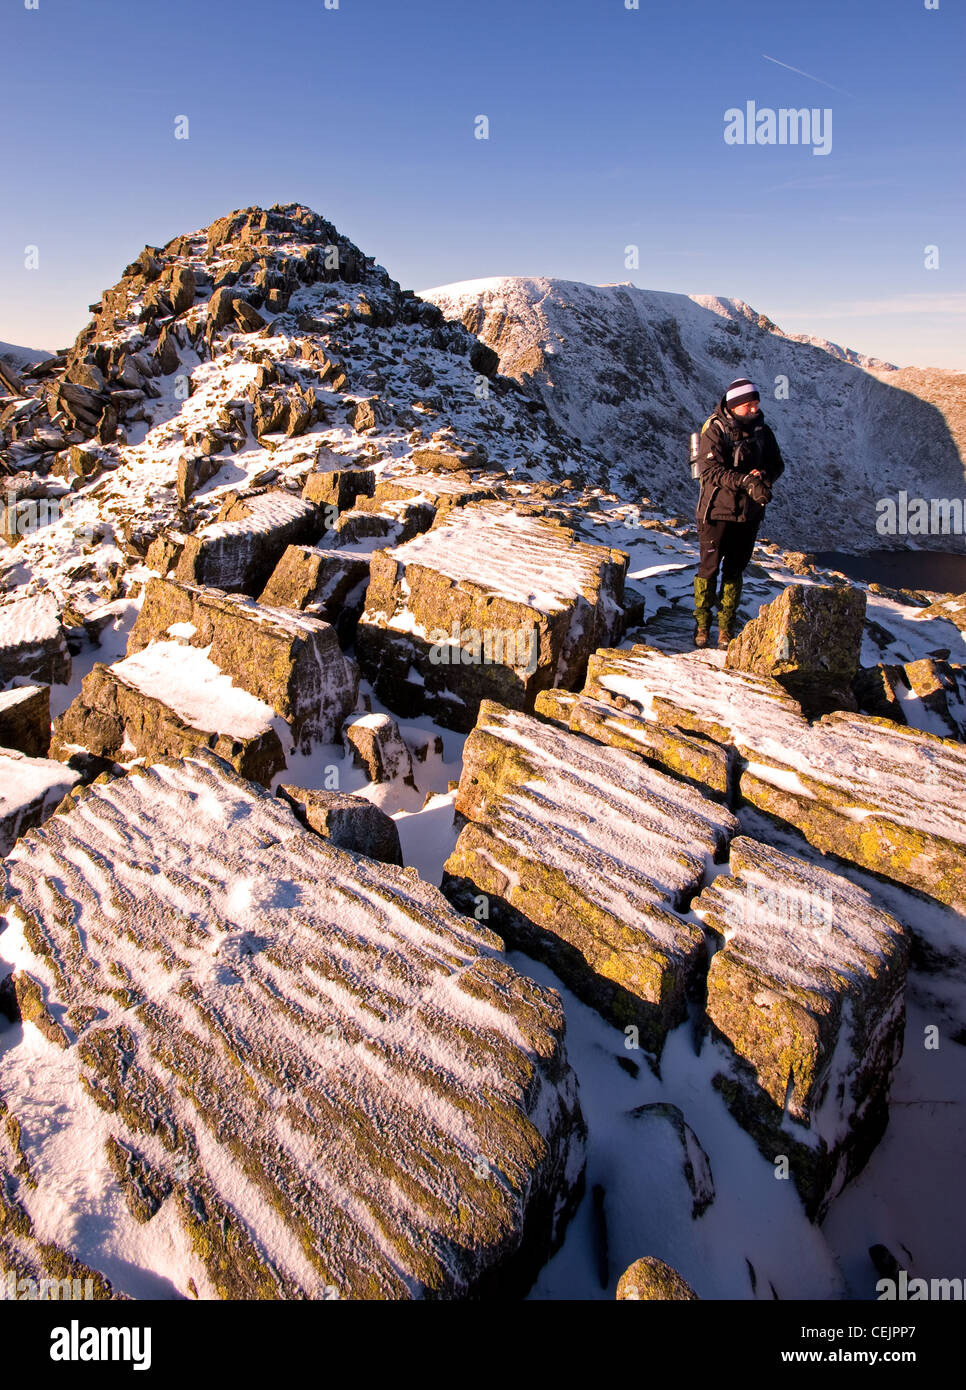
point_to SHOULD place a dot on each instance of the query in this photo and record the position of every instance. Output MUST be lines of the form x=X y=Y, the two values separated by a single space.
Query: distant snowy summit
x=19 y=357
x=631 y=372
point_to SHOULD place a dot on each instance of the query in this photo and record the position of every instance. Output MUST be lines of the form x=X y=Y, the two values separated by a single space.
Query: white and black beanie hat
x=740 y=391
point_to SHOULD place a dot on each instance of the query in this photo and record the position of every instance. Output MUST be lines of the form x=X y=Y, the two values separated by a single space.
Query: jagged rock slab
x=30 y=790
x=378 y=746
x=681 y=710
x=32 y=641
x=444 y=491
x=808 y=990
x=329 y=584
x=582 y=853
x=241 y=552
x=883 y=796
x=706 y=764
x=866 y=789
x=952 y=608
x=383 y=523
x=809 y=639
x=166 y=700
x=289 y=660
x=25 y=719
x=489 y=603
x=346 y=821
x=338 y=488
x=322 y=1081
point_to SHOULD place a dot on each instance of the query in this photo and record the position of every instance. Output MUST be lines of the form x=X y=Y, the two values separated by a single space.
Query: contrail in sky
x=810 y=76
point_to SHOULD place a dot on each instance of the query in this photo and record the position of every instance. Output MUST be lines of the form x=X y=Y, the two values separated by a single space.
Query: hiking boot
x=702 y=636
x=728 y=610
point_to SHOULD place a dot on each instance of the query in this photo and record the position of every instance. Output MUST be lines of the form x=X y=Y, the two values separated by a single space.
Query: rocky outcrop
x=862 y=788
x=329 y=584
x=169 y=700
x=240 y=1021
x=378 y=746
x=580 y=854
x=953 y=609
x=650 y=1279
x=443 y=491
x=239 y=551
x=346 y=821
x=25 y=719
x=488 y=604
x=338 y=488
x=30 y=790
x=374 y=524
x=32 y=642
x=808 y=991
x=291 y=661
x=809 y=640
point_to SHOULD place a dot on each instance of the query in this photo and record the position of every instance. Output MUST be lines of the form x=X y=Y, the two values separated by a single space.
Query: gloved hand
x=757 y=487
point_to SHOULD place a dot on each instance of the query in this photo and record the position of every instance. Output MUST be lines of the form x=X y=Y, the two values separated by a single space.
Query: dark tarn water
x=937 y=570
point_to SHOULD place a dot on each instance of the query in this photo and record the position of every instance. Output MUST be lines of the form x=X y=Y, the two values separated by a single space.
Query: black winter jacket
x=729 y=449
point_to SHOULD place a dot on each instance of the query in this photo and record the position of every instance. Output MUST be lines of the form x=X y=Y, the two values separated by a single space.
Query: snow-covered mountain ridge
x=631 y=372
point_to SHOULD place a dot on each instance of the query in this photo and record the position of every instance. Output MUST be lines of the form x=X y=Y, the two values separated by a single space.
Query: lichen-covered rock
x=808 y=639
x=651 y=1279
x=808 y=990
x=319 y=1078
x=348 y=822
x=443 y=491
x=30 y=790
x=446 y=460
x=953 y=609
x=556 y=705
x=697 y=760
x=239 y=553
x=856 y=786
x=338 y=488
x=936 y=696
x=578 y=853
x=291 y=661
x=380 y=523
x=32 y=641
x=329 y=584
x=164 y=552
x=378 y=746
x=25 y=719
x=489 y=604
x=169 y=699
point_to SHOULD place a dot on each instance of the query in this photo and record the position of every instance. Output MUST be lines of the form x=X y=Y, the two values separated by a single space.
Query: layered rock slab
x=30 y=790
x=488 y=604
x=866 y=789
x=809 y=992
x=322 y=1080
x=25 y=719
x=239 y=552
x=32 y=642
x=289 y=660
x=580 y=855
x=166 y=700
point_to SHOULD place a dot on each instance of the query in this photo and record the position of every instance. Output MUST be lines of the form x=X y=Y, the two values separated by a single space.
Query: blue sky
x=606 y=130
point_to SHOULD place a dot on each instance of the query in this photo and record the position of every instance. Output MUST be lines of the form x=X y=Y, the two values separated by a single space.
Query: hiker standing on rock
x=737 y=461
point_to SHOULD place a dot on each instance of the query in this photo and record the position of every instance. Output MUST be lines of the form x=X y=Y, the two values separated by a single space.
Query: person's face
x=746 y=408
